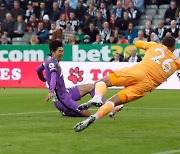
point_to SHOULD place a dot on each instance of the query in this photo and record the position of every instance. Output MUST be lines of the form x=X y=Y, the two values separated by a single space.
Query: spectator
x=113 y=22
x=116 y=33
x=86 y=39
x=134 y=13
x=34 y=40
x=86 y=22
x=140 y=37
x=57 y=35
x=4 y=40
x=170 y=12
x=117 y=58
x=19 y=27
x=87 y=2
x=112 y=39
x=73 y=40
x=74 y=21
x=178 y=20
x=16 y=10
x=134 y=57
x=118 y=11
x=124 y=22
x=80 y=35
x=147 y=30
x=52 y=30
x=9 y=4
x=42 y=10
x=67 y=33
x=61 y=22
x=3 y=12
x=173 y=29
x=42 y=33
x=47 y=23
x=105 y=12
x=131 y=33
x=160 y=30
x=33 y=22
x=98 y=39
x=48 y=4
x=92 y=32
x=30 y=10
x=92 y=10
x=7 y=25
x=36 y=6
x=27 y=35
x=139 y=4
x=66 y=10
x=55 y=13
x=154 y=37
x=125 y=3
x=105 y=32
x=60 y=3
x=73 y=4
x=99 y=20
x=122 y=40
x=80 y=11
x=178 y=38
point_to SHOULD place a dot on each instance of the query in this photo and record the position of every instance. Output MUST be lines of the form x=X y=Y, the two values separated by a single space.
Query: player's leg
x=126 y=95
x=116 y=110
x=85 y=89
x=100 y=90
x=103 y=111
x=60 y=107
x=71 y=110
x=69 y=106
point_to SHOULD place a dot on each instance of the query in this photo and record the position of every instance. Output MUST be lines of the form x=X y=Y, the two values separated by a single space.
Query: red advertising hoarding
x=23 y=74
x=19 y=74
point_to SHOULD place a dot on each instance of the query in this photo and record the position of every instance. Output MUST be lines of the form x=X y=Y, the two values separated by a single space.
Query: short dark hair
x=54 y=45
x=168 y=41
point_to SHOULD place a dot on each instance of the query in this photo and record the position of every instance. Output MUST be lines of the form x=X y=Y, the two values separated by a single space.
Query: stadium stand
x=80 y=14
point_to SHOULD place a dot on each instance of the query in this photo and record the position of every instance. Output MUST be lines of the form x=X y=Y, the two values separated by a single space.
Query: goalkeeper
x=158 y=64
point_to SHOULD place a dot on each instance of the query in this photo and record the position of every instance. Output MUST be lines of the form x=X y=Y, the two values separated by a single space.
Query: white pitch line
x=151 y=108
x=134 y=108
x=169 y=152
x=4 y=114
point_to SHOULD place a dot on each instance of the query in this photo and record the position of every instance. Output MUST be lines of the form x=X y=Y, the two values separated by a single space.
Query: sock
x=100 y=90
x=104 y=110
x=92 y=93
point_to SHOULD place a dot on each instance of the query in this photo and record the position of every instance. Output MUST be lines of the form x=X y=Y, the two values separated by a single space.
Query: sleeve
x=39 y=71
x=52 y=66
x=144 y=45
x=53 y=82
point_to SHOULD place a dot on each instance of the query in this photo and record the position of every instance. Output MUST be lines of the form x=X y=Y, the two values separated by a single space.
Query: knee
x=90 y=86
x=86 y=113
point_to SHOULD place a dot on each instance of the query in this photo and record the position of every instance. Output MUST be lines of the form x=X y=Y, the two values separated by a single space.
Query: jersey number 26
x=166 y=65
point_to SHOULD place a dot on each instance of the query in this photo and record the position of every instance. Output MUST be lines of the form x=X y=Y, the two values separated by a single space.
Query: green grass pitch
x=29 y=125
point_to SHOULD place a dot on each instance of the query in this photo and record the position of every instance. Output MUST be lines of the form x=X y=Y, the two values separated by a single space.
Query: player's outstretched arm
x=143 y=44
x=51 y=86
x=39 y=71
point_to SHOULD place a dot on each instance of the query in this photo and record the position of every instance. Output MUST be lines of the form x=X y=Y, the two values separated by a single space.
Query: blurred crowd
x=84 y=21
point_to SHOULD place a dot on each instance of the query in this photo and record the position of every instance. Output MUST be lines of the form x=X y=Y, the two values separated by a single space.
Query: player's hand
x=50 y=95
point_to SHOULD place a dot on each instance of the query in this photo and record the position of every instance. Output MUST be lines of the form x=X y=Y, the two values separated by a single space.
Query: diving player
x=158 y=64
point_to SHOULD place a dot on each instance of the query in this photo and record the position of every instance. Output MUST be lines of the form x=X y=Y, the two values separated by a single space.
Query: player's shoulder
x=50 y=59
